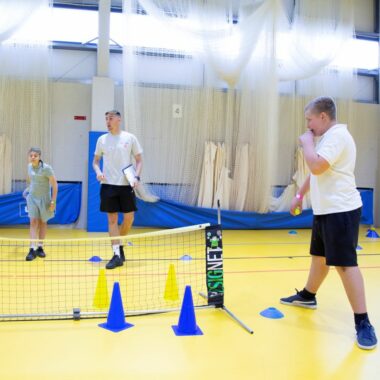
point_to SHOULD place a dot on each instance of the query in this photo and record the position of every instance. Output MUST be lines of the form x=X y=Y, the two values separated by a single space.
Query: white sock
x=116 y=249
x=33 y=246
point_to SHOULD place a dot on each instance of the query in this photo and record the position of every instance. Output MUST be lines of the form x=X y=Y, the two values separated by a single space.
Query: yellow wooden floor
x=260 y=267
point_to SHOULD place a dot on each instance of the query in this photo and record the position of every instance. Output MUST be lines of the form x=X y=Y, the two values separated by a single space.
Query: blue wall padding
x=13 y=206
x=168 y=214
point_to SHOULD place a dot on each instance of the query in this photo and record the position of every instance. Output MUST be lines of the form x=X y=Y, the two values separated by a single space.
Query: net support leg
x=240 y=322
x=233 y=316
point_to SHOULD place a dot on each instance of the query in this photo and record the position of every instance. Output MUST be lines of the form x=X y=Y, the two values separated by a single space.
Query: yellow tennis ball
x=297 y=211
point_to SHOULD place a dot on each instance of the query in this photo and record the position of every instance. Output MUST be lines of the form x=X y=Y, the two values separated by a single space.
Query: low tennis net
x=72 y=281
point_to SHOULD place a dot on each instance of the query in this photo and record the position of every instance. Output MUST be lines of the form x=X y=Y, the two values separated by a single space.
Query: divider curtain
x=24 y=87
x=204 y=75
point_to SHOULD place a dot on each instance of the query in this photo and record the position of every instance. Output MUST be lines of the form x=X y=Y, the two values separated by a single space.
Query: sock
x=116 y=250
x=33 y=246
x=360 y=317
x=304 y=293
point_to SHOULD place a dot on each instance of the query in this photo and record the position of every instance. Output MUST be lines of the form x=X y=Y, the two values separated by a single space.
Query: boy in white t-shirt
x=336 y=207
x=118 y=149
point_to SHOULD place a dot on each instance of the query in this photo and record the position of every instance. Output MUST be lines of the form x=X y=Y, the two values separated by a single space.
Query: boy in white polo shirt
x=336 y=207
x=117 y=148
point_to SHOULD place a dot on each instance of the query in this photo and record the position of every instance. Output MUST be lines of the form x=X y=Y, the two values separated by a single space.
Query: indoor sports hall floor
x=259 y=268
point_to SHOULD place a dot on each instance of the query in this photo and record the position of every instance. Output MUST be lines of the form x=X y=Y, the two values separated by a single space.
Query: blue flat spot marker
x=95 y=259
x=292 y=232
x=129 y=243
x=371 y=233
x=186 y=258
x=359 y=247
x=272 y=313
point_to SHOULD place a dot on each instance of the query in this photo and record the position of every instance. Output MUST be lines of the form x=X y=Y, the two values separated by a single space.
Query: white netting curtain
x=24 y=111
x=6 y=170
x=203 y=85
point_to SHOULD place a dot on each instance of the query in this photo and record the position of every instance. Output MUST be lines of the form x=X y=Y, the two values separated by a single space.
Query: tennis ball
x=297 y=211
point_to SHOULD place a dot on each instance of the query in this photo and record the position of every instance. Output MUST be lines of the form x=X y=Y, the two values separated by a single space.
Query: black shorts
x=117 y=198
x=335 y=236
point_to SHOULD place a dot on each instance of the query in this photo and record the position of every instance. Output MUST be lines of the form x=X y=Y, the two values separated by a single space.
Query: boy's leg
x=317 y=273
x=125 y=228
x=354 y=286
x=113 y=230
x=306 y=297
x=127 y=223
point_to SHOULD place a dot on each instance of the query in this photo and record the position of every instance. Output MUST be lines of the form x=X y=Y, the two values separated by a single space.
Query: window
x=361 y=54
x=60 y=24
x=77 y=28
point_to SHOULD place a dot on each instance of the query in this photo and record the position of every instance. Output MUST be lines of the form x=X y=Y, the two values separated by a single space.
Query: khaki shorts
x=38 y=208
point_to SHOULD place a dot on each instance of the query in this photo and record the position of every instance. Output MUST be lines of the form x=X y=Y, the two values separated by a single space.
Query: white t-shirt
x=117 y=152
x=335 y=189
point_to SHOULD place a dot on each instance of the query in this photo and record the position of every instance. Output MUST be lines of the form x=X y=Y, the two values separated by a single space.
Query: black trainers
x=365 y=335
x=40 y=252
x=122 y=256
x=114 y=262
x=31 y=255
x=298 y=300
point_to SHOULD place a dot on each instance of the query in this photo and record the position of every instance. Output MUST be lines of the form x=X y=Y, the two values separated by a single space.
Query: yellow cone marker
x=171 y=287
x=101 y=299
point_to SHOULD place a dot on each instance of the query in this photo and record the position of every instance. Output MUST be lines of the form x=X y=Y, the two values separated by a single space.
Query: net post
x=219 y=213
x=214 y=265
x=214 y=269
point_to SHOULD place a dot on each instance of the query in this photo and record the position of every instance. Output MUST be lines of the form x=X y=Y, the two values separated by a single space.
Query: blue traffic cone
x=116 y=318
x=187 y=324
x=371 y=233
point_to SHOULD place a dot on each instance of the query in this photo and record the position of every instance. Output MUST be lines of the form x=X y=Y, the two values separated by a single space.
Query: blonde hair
x=323 y=104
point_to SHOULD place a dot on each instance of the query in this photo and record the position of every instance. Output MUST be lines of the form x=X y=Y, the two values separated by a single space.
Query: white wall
x=367 y=131
x=70 y=137
x=364 y=11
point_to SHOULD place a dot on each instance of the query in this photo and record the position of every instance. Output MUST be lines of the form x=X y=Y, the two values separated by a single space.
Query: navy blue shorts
x=117 y=199
x=335 y=236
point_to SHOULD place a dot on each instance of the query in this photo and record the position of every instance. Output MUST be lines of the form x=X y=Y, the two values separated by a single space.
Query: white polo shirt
x=117 y=152
x=335 y=190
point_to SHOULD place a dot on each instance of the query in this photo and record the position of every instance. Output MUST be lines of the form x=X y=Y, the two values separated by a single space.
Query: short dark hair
x=323 y=104
x=113 y=112
x=35 y=150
